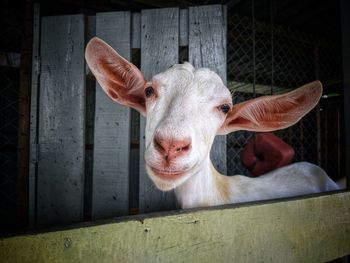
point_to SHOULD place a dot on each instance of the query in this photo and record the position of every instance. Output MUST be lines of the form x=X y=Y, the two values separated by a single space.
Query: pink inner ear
x=269 y=113
x=119 y=78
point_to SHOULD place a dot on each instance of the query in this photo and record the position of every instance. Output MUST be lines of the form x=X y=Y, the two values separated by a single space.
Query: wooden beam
x=61 y=118
x=33 y=130
x=183 y=28
x=315 y=229
x=345 y=29
x=23 y=113
x=136 y=30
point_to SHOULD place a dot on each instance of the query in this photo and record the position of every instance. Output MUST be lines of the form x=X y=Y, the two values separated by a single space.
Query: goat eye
x=225 y=108
x=149 y=91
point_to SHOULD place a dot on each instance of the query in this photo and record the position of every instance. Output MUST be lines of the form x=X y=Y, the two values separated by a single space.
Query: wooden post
x=33 y=138
x=23 y=112
x=345 y=28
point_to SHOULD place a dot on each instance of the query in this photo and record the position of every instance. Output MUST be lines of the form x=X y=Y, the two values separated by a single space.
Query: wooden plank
x=136 y=30
x=61 y=121
x=345 y=27
x=315 y=229
x=207 y=48
x=159 y=51
x=33 y=126
x=134 y=167
x=183 y=37
x=134 y=181
x=90 y=33
x=112 y=129
x=24 y=115
x=90 y=87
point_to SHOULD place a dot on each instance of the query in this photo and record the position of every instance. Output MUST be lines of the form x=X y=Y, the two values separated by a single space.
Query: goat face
x=185 y=109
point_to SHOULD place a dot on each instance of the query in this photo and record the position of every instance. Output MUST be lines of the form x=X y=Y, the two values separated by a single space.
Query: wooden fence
x=82 y=145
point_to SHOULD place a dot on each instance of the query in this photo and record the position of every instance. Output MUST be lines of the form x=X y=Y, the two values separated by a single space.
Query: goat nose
x=170 y=148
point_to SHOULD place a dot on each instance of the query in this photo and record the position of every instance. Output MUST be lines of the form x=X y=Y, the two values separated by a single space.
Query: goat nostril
x=186 y=148
x=158 y=145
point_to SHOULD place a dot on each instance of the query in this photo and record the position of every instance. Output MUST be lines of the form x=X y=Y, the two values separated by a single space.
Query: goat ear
x=120 y=79
x=270 y=113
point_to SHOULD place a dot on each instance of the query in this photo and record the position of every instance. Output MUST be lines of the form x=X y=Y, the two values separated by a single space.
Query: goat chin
x=166 y=184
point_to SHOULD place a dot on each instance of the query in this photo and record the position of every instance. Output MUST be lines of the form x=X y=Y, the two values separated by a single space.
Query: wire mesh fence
x=8 y=137
x=284 y=59
x=10 y=35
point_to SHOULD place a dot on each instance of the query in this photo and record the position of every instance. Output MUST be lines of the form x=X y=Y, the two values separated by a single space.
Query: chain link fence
x=10 y=36
x=285 y=59
x=8 y=137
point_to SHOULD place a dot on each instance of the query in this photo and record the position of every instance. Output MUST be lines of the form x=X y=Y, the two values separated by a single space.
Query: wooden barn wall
x=81 y=148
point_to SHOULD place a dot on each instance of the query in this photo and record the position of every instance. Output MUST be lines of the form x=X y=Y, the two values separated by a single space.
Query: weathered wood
x=315 y=229
x=207 y=48
x=33 y=126
x=112 y=129
x=159 y=51
x=136 y=30
x=134 y=168
x=90 y=88
x=183 y=27
x=90 y=33
x=345 y=27
x=61 y=121
x=24 y=114
x=134 y=181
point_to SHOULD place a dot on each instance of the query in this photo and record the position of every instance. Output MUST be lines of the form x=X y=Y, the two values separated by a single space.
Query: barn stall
x=86 y=153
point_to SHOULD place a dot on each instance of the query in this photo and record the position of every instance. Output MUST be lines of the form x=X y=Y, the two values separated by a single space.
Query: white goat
x=185 y=108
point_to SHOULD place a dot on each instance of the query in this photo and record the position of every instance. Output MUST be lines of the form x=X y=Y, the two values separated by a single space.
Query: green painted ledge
x=315 y=229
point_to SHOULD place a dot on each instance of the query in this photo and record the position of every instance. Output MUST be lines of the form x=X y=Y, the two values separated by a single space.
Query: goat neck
x=207 y=187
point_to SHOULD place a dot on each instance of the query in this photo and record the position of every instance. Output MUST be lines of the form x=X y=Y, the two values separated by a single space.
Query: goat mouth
x=166 y=174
